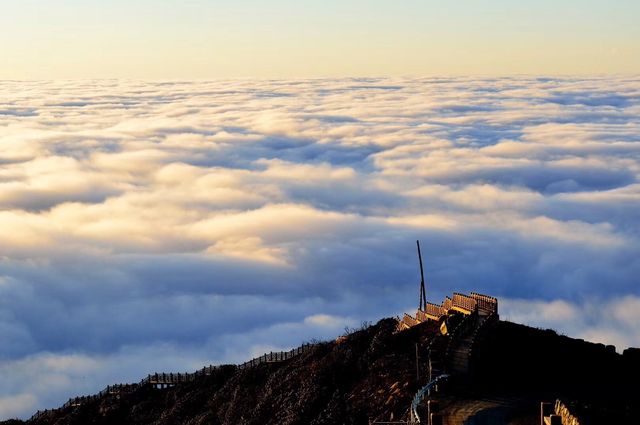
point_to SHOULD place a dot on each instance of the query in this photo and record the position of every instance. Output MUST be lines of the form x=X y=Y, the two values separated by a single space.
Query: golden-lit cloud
x=263 y=213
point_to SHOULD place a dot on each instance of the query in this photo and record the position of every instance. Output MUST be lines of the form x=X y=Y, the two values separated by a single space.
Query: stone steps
x=460 y=348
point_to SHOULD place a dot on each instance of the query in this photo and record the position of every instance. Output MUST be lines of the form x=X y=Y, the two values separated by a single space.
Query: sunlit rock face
x=166 y=225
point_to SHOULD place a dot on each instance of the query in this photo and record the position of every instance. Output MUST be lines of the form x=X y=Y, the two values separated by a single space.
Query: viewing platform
x=474 y=303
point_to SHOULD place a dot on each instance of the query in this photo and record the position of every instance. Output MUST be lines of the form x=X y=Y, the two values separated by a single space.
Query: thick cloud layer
x=164 y=226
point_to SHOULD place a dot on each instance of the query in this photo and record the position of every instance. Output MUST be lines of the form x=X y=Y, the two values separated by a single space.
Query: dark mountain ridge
x=374 y=373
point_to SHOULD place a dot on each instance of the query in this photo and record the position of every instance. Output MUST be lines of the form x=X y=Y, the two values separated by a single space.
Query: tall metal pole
x=423 y=292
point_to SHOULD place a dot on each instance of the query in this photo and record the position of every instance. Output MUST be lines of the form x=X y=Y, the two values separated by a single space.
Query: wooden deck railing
x=447 y=303
x=485 y=302
x=172 y=379
x=435 y=310
x=421 y=316
x=565 y=413
x=464 y=302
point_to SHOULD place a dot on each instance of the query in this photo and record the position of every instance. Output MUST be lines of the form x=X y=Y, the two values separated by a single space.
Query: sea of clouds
x=162 y=226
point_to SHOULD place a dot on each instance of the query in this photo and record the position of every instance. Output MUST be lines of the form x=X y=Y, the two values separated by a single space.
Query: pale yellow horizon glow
x=200 y=39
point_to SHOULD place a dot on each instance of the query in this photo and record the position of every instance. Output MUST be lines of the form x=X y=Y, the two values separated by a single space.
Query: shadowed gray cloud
x=168 y=225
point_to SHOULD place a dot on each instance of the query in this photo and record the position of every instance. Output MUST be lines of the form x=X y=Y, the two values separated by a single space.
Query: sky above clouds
x=162 y=226
x=43 y=39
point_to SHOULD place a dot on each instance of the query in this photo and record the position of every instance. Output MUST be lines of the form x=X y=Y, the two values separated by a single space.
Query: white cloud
x=14 y=405
x=268 y=212
x=612 y=321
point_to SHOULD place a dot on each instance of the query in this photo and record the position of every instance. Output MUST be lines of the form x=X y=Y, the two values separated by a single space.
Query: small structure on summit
x=472 y=304
x=464 y=322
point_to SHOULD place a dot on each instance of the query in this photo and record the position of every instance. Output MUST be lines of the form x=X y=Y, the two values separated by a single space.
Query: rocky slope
x=371 y=374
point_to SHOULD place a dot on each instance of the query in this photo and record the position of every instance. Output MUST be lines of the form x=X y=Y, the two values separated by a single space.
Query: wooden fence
x=435 y=311
x=466 y=304
x=163 y=380
x=564 y=412
x=485 y=302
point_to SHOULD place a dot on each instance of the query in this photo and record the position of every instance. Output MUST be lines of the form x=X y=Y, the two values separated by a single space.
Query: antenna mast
x=423 y=292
